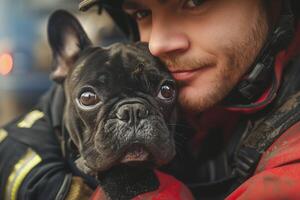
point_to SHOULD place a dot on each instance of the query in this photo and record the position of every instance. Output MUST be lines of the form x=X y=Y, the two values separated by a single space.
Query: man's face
x=208 y=45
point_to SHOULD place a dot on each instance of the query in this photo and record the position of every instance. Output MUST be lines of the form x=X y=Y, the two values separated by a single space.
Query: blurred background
x=25 y=57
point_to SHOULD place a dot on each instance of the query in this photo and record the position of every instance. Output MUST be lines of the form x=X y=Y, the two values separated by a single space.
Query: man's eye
x=193 y=3
x=141 y=14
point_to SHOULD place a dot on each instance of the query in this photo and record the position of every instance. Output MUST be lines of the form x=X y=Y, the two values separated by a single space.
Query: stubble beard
x=240 y=57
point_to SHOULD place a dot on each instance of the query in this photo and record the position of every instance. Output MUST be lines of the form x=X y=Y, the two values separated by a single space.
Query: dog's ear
x=66 y=38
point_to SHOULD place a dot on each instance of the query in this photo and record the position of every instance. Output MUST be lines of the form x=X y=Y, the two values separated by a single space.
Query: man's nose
x=165 y=39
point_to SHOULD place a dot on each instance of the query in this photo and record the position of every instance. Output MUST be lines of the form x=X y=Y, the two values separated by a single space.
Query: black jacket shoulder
x=31 y=161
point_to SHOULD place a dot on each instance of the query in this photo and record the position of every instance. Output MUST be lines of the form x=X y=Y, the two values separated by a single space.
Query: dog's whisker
x=180 y=125
x=179 y=150
x=180 y=141
x=180 y=136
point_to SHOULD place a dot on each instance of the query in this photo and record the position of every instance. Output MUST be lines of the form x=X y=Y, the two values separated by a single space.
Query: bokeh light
x=6 y=64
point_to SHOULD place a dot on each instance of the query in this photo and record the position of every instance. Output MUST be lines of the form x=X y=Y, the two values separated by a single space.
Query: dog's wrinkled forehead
x=130 y=65
x=135 y=59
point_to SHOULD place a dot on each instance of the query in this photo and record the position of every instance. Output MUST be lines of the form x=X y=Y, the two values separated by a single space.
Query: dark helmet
x=127 y=25
x=260 y=74
x=86 y=4
x=113 y=7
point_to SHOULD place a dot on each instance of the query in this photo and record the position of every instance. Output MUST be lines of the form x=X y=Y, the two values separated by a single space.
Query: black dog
x=119 y=100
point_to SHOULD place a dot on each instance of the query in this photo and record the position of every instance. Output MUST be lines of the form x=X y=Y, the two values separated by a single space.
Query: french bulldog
x=120 y=100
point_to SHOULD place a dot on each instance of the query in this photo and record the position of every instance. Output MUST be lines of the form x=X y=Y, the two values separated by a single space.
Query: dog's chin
x=135 y=155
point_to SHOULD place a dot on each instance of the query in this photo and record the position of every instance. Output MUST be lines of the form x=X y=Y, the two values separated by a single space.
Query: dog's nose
x=132 y=112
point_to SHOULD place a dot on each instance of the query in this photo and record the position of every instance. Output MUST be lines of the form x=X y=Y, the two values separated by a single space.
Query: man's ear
x=67 y=39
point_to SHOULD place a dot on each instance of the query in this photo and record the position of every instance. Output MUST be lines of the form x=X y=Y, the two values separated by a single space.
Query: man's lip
x=184 y=75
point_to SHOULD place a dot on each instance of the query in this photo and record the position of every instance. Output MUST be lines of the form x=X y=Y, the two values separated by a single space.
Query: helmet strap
x=258 y=79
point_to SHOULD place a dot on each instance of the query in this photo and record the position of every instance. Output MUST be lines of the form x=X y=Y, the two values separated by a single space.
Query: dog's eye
x=167 y=91
x=88 y=98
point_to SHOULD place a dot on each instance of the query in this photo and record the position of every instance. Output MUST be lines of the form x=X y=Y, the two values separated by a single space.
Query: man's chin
x=193 y=102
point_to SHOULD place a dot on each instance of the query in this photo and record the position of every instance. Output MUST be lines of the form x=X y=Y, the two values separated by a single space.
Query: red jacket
x=277 y=175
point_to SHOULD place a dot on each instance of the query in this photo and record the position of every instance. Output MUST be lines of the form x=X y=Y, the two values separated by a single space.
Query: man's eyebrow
x=134 y=4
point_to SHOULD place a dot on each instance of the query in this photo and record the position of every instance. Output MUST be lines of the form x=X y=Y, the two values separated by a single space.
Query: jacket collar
x=270 y=93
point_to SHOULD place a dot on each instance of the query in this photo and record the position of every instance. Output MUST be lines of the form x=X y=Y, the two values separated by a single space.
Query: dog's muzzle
x=137 y=132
